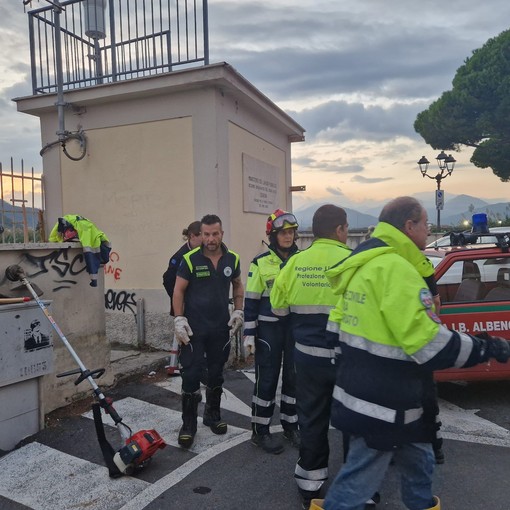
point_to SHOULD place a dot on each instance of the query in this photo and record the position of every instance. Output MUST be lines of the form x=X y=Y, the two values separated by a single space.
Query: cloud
x=335 y=191
x=379 y=49
x=325 y=165
x=342 y=121
x=370 y=180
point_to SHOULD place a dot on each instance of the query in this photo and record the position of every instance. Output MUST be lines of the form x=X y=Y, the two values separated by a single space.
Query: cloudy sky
x=353 y=73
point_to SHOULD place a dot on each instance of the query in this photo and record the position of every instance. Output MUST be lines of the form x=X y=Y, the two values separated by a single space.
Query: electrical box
x=26 y=354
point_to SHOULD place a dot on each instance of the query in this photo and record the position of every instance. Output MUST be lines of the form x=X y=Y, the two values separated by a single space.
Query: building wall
x=135 y=183
x=249 y=227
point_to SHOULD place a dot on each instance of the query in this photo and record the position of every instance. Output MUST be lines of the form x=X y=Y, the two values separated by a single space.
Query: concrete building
x=161 y=152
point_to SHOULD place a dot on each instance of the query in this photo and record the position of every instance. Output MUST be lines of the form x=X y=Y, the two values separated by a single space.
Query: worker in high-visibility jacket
x=391 y=341
x=269 y=337
x=96 y=246
x=302 y=291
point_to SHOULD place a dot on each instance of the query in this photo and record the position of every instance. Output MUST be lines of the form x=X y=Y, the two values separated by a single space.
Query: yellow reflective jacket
x=391 y=341
x=96 y=246
x=302 y=291
x=263 y=271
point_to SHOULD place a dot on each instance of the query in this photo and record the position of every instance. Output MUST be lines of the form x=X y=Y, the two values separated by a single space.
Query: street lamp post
x=445 y=164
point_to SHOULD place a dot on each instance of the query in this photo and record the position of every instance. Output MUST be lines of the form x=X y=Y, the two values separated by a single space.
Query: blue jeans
x=364 y=470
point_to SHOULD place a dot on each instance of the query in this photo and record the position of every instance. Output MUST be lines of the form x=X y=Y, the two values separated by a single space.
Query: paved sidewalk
x=127 y=363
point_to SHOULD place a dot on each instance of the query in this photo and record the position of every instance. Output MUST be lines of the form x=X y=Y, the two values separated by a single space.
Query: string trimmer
x=138 y=448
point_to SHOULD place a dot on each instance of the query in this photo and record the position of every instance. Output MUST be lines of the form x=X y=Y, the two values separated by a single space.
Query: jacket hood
x=394 y=241
x=405 y=248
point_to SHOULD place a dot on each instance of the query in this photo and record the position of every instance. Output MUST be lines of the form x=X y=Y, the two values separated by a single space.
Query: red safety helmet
x=66 y=230
x=280 y=220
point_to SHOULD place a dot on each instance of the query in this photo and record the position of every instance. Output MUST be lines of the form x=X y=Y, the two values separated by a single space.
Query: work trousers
x=314 y=393
x=215 y=346
x=273 y=344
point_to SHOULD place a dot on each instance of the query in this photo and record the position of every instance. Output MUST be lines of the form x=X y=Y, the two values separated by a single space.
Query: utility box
x=26 y=354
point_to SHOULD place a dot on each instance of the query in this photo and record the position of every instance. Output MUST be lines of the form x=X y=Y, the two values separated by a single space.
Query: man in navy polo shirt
x=204 y=325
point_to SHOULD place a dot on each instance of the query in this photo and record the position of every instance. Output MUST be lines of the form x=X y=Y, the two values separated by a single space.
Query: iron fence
x=21 y=205
x=80 y=43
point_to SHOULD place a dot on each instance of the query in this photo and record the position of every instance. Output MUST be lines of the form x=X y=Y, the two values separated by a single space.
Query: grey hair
x=400 y=210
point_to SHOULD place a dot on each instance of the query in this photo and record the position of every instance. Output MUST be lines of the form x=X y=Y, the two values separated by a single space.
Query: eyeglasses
x=288 y=218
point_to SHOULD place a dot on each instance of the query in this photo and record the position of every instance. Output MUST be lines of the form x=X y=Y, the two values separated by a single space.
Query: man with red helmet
x=269 y=337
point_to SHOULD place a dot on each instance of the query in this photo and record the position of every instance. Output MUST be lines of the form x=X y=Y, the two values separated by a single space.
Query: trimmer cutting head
x=14 y=273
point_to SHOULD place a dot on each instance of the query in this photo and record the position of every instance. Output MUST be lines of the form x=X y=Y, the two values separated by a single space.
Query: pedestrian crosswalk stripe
x=229 y=401
x=139 y=415
x=38 y=476
x=171 y=479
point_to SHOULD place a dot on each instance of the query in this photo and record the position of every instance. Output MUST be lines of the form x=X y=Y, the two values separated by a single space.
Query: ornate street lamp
x=446 y=165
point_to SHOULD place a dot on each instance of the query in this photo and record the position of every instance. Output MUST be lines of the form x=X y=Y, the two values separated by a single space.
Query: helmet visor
x=289 y=219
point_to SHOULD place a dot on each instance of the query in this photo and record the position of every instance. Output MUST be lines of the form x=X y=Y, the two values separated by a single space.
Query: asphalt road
x=61 y=467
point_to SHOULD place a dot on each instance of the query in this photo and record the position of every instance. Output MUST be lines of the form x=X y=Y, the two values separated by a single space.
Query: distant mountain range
x=13 y=215
x=355 y=218
x=456 y=209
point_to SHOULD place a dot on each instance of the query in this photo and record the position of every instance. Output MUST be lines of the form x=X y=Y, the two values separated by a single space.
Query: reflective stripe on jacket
x=302 y=291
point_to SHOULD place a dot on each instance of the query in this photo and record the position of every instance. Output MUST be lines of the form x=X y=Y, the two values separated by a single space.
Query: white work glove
x=249 y=344
x=236 y=321
x=182 y=330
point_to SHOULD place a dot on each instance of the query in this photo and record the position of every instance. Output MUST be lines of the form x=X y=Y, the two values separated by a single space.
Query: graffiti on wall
x=120 y=301
x=115 y=299
x=65 y=267
x=113 y=267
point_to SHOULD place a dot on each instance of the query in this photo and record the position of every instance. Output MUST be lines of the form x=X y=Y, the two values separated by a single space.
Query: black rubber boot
x=189 y=418
x=212 y=416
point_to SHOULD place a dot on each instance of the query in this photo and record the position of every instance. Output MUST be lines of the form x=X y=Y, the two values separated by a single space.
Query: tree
x=476 y=112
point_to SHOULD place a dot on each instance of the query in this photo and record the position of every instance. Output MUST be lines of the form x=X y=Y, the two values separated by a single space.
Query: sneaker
x=267 y=442
x=293 y=436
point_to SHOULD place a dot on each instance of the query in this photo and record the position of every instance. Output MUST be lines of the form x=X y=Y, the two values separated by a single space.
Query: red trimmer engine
x=139 y=449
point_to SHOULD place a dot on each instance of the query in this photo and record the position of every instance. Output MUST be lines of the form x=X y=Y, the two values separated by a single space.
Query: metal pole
x=206 y=33
x=140 y=322
x=113 y=40
x=57 y=9
x=437 y=207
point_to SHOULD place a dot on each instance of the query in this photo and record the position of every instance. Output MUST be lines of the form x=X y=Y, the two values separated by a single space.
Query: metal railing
x=21 y=205
x=104 y=41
